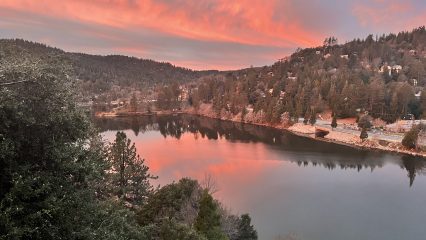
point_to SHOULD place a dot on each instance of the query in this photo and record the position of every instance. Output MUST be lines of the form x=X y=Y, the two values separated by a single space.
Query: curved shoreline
x=362 y=145
x=366 y=145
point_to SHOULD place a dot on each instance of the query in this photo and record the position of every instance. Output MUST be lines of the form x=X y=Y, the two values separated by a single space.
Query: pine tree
x=131 y=177
x=364 y=134
x=208 y=219
x=334 y=122
x=313 y=118
x=306 y=117
x=133 y=103
x=246 y=231
x=410 y=137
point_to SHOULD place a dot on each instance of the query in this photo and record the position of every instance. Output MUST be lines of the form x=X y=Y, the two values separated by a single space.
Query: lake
x=293 y=187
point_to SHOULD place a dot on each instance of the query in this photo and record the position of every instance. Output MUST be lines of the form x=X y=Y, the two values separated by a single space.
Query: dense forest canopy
x=97 y=74
x=383 y=75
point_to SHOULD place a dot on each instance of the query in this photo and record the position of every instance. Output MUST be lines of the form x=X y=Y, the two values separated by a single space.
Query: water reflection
x=334 y=156
x=291 y=186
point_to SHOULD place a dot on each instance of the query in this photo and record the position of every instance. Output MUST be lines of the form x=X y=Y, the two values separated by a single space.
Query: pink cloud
x=391 y=15
x=248 y=22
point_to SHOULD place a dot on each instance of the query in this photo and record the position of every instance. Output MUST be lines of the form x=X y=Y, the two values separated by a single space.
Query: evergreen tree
x=208 y=219
x=313 y=117
x=410 y=137
x=364 y=134
x=133 y=103
x=130 y=175
x=246 y=231
x=52 y=163
x=306 y=117
x=334 y=122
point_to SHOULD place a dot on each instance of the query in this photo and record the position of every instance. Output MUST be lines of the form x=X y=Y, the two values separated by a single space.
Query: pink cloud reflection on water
x=235 y=166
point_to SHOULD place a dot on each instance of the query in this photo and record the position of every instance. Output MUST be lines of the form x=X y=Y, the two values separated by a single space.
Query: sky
x=203 y=34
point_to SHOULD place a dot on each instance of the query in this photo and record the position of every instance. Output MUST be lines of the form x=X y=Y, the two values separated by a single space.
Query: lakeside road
x=372 y=134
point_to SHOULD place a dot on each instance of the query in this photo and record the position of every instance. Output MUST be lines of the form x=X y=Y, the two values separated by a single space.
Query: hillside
x=380 y=75
x=98 y=74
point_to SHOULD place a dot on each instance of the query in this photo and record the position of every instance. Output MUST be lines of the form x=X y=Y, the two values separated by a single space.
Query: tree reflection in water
x=340 y=156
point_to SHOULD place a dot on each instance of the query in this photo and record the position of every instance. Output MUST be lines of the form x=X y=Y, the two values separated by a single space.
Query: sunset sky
x=209 y=34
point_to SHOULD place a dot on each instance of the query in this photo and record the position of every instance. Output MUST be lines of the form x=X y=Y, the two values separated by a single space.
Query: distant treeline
x=98 y=74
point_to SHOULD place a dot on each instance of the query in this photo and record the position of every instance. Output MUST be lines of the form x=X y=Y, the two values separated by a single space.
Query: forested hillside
x=98 y=74
x=382 y=75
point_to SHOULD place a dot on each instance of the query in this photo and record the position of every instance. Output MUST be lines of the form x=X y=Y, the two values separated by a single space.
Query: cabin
x=397 y=68
x=332 y=71
x=418 y=94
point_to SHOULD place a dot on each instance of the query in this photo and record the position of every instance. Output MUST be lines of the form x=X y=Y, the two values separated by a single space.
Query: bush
x=410 y=137
x=365 y=122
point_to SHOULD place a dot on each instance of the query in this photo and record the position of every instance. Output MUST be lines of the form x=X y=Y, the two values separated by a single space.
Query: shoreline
x=361 y=145
x=370 y=145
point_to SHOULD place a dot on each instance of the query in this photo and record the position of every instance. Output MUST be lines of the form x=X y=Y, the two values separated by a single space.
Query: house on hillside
x=116 y=103
x=418 y=94
x=344 y=56
x=332 y=71
x=412 y=52
x=249 y=108
x=389 y=69
x=397 y=68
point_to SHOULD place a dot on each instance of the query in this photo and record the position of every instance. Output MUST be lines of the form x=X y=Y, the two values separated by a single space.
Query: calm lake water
x=291 y=186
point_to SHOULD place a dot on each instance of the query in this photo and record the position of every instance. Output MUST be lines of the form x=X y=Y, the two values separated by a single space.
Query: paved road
x=378 y=134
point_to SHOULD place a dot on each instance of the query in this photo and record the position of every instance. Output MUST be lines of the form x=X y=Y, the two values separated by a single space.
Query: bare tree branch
x=209 y=183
